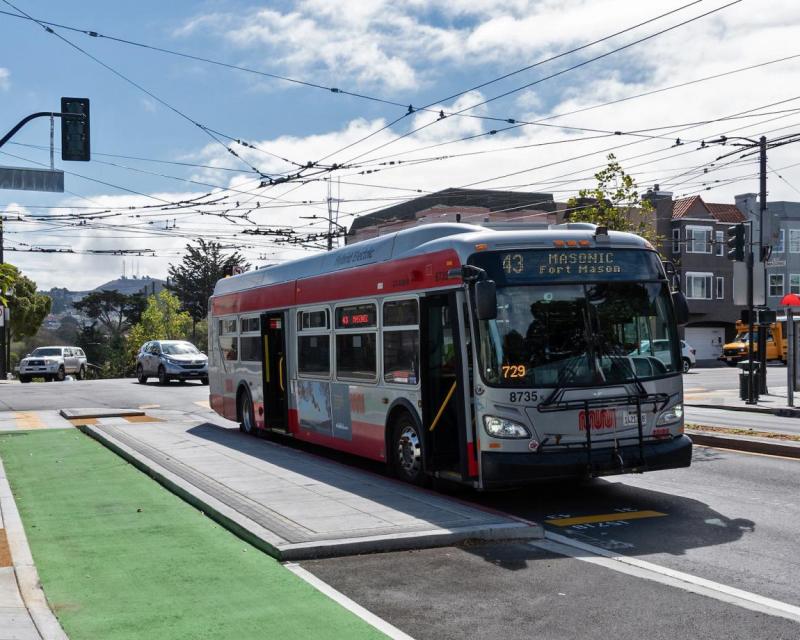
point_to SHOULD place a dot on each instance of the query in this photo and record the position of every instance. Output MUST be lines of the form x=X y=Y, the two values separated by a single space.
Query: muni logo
x=598 y=419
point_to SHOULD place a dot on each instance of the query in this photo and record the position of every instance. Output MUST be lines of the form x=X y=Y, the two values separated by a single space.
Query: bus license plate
x=631 y=419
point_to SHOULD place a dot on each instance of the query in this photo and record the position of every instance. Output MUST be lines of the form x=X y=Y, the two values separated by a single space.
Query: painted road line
x=370 y=618
x=203 y=403
x=149 y=406
x=28 y=420
x=565 y=546
x=145 y=418
x=5 y=551
x=77 y=422
x=605 y=517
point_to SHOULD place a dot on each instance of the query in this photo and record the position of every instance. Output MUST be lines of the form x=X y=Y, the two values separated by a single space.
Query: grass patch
x=121 y=557
x=739 y=431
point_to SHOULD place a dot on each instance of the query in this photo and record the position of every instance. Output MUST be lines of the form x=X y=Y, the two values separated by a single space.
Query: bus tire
x=407 y=452
x=247 y=417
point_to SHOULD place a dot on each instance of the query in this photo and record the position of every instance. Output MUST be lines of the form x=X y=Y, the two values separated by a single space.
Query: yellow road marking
x=149 y=406
x=5 y=552
x=203 y=403
x=695 y=389
x=142 y=419
x=82 y=421
x=28 y=420
x=606 y=517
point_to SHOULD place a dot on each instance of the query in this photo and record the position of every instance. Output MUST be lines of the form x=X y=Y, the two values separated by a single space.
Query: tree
x=116 y=312
x=162 y=319
x=27 y=307
x=615 y=203
x=8 y=276
x=194 y=278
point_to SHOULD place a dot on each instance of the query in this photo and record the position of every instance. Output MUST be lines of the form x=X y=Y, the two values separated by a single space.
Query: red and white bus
x=493 y=358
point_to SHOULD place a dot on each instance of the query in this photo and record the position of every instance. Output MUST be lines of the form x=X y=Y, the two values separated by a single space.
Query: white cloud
x=5 y=79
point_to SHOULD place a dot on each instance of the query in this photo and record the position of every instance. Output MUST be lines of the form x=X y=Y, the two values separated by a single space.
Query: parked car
x=171 y=360
x=53 y=363
x=661 y=351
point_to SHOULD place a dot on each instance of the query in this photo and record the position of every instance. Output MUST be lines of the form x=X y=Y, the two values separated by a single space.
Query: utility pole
x=764 y=248
x=763 y=253
x=3 y=329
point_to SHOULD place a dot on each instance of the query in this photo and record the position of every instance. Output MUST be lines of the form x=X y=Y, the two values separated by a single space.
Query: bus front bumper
x=509 y=469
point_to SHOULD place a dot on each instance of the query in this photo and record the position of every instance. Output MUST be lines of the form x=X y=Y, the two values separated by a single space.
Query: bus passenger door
x=444 y=384
x=274 y=375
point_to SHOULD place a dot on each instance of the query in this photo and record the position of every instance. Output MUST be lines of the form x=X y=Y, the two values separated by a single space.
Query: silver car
x=171 y=360
x=53 y=363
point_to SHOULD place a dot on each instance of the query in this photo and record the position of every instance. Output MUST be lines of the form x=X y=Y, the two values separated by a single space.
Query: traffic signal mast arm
x=39 y=114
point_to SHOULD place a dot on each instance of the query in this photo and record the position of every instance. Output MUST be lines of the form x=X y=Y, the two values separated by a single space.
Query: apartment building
x=694 y=238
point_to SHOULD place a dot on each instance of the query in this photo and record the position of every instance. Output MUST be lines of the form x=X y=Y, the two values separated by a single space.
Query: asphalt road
x=115 y=394
x=731 y=518
x=742 y=419
x=712 y=379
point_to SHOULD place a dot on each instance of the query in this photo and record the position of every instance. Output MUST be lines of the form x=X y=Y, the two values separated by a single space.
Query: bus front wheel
x=407 y=450
x=247 y=418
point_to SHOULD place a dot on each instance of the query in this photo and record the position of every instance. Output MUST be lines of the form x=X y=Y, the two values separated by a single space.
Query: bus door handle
x=280 y=373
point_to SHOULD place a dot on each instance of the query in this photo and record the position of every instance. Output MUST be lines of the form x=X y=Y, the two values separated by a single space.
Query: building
x=694 y=238
x=507 y=209
x=782 y=231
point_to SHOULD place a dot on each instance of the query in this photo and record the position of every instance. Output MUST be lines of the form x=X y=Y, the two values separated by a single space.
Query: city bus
x=487 y=357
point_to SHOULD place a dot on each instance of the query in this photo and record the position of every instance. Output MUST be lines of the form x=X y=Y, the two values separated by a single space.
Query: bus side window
x=313 y=343
x=401 y=342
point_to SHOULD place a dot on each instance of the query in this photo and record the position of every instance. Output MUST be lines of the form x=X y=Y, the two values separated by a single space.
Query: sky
x=185 y=146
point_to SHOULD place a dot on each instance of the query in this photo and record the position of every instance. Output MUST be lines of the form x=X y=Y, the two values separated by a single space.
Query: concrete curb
x=27 y=577
x=743 y=443
x=284 y=550
x=783 y=412
x=73 y=414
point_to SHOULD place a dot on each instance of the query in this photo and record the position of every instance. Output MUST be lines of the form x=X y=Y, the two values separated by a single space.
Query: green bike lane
x=120 y=557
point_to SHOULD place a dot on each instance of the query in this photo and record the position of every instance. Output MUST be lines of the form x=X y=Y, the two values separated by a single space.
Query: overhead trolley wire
x=160 y=100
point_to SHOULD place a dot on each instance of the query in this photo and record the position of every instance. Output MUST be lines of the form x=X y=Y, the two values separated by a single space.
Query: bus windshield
x=578 y=334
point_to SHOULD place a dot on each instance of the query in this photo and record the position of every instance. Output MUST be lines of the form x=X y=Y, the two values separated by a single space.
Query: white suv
x=53 y=363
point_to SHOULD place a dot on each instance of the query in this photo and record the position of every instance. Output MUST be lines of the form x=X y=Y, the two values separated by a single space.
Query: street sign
x=25 y=179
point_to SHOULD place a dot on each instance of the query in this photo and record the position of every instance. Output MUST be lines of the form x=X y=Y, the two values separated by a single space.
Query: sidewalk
x=24 y=612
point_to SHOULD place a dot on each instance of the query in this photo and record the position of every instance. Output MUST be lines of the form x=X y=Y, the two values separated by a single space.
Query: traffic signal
x=736 y=242
x=75 y=131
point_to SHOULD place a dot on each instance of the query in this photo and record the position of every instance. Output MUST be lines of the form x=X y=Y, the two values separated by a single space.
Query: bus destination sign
x=544 y=265
x=562 y=263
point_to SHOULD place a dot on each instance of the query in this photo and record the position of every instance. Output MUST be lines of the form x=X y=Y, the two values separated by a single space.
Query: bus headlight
x=674 y=414
x=503 y=428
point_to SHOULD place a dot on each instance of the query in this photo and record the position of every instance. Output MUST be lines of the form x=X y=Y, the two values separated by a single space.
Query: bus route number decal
x=523 y=396
x=514 y=371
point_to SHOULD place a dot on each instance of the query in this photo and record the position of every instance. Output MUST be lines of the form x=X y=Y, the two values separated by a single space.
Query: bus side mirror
x=681 y=307
x=486 y=299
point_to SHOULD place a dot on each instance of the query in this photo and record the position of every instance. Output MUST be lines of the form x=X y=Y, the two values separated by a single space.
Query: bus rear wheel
x=247 y=418
x=407 y=450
